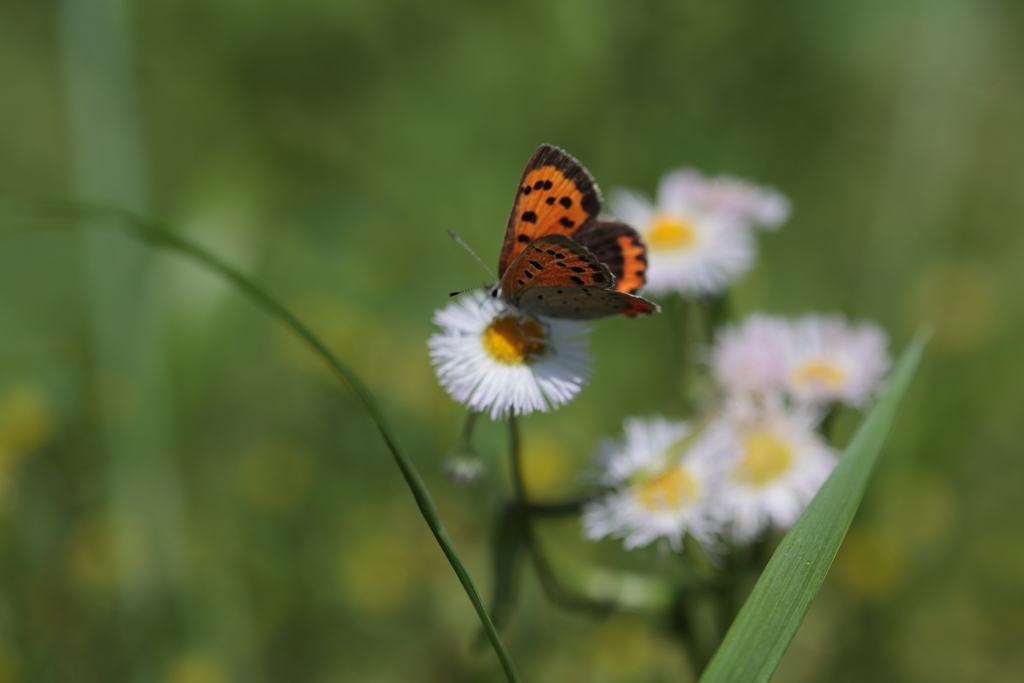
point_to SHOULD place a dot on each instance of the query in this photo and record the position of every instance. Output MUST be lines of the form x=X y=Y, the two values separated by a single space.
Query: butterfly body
x=558 y=259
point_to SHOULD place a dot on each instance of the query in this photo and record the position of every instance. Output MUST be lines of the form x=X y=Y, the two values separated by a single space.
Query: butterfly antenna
x=469 y=289
x=458 y=240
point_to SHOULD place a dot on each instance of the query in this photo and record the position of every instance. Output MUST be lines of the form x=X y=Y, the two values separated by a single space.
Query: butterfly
x=558 y=259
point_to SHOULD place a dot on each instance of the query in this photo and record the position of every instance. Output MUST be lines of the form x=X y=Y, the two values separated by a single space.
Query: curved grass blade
x=39 y=213
x=764 y=628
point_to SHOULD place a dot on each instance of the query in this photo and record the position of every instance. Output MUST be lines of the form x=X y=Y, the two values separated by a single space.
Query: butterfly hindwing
x=558 y=278
x=556 y=196
x=619 y=247
x=582 y=303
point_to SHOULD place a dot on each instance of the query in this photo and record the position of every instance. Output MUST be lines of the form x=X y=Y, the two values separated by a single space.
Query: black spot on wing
x=529 y=217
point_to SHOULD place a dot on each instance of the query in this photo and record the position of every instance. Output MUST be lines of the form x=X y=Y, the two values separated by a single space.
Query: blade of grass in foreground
x=41 y=213
x=762 y=632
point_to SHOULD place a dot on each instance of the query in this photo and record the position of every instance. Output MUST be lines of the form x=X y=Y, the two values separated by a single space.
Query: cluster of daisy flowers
x=756 y=460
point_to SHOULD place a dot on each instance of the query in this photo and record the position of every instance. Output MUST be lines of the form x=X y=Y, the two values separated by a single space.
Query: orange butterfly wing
x=556 y=196
x=554 y=261
x=556 y=277
x=619 y=247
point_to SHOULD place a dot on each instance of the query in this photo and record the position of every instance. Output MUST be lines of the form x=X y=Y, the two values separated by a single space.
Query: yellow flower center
x=513 y=340
x=767 y=458
x=667 y=232
x=820 y=373
x=673 y=489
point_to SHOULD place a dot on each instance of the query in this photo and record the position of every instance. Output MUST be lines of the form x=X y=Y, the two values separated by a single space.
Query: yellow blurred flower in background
x=274 y=474
x=26 y=424
x=196 y=667
x=379 y=574
x=547 y=471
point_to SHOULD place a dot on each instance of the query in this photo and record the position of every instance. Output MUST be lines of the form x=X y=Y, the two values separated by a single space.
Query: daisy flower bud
x=493 y=359
x=772 y=462
x=828 y=359
x=658 y=489
x=698 y=233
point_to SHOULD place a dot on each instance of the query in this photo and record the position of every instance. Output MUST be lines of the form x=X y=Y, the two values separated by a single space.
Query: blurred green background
x=187 y=496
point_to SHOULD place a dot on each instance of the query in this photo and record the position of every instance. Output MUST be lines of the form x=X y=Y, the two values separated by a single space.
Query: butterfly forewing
x=558 y=278
x=556 y=196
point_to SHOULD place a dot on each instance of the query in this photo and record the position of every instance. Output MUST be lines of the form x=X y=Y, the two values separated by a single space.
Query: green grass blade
x=39 y=214
x=764 y=628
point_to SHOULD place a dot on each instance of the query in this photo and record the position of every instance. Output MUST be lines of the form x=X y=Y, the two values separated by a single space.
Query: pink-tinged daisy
x=495 y=360
x=772 y=462
x=699 y=232
x=751 y=358
x=828 y=359
x=658 y=490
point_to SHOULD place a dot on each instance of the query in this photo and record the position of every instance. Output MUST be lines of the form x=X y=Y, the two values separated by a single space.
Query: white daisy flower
x=744 y=201
x=772 y=463
x=493 y=359
x=828 y=359
x=698 y=234
x=751 y=358
x=660 y=490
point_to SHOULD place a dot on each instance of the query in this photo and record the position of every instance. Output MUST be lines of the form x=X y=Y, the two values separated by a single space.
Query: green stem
x=155 y=233
x=466 y=439
x=515 y=462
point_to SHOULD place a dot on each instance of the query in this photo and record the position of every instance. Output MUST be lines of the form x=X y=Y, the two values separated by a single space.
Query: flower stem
x=515 y=462
x=155 y=233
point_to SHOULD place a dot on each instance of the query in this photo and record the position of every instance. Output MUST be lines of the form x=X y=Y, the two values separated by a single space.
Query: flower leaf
x=769 y=620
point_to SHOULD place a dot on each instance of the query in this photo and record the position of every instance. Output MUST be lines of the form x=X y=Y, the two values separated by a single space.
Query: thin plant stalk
x=153 y=232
